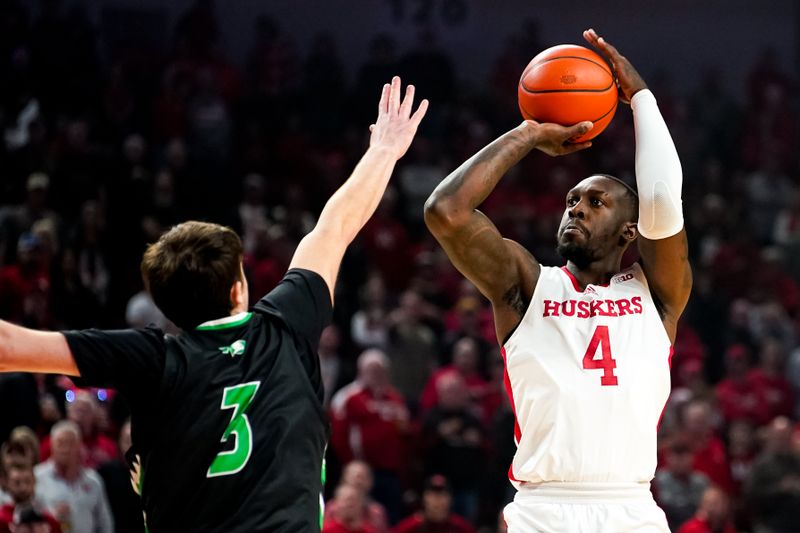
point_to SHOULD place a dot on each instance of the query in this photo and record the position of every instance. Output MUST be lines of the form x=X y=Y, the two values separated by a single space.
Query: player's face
x=593 y=221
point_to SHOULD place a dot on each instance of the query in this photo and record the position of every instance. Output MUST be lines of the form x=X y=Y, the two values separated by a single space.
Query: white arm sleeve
x=658 y=171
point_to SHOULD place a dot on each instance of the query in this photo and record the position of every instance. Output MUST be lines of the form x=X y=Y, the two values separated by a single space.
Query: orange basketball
x=567 y=84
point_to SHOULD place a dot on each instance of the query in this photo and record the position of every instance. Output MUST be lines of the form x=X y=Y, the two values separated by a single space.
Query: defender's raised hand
x=628 y=79
x=395 y=126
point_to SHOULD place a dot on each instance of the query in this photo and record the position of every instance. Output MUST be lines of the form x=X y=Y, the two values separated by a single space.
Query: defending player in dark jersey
x=227 y=416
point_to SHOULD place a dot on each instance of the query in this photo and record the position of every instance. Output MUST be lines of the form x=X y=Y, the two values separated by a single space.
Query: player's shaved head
x=630 y=195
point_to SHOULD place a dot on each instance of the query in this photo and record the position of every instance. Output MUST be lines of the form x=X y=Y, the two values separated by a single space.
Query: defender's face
x=593 y=219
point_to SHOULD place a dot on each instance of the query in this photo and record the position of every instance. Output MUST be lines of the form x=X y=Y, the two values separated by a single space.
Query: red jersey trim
x=517 y=430
x=574 y=280
x=669 y=364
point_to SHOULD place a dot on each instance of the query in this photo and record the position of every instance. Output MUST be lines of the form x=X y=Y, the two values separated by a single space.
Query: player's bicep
x=481 y=254
x=321 y=251
x=27 y=350
x=669 y=274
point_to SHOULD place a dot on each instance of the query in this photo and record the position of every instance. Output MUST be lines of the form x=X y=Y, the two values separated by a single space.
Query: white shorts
x=585 y=507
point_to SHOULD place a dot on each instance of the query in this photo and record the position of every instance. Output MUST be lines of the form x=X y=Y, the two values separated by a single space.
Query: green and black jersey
x=227 y=419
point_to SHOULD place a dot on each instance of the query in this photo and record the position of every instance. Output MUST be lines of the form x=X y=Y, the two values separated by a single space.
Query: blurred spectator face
x=349 y=504
x=714 y=505
x=465 y=356
x=373 y=370
x=771 y=356
x=359 y=475
x=697 y=418
x=133 y=148
x=778 y=436
x=740 y=438
x=48 y=408
x=176 y=154
x=374 y=292
x=452 y=392
x=680 y=459
x=82 y=411
x=66 y=448
x=410 y=303
x=26 y=439
x=329 y=340
x=436 y=504
x=38 y=185
x=124 y=441
x=736 y=361
x=21 y=485
x=28 y=250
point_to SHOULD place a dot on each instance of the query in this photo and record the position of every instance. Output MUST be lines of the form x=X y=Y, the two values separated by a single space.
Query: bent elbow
x=441 y=215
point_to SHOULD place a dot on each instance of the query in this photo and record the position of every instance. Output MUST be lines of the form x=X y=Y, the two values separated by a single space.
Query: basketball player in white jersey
x=587 y=346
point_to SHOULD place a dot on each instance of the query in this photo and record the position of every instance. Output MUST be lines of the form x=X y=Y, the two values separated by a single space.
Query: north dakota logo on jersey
x=235 y=349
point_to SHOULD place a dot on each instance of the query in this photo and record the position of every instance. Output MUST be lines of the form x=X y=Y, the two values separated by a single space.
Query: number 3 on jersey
x=607 y=363
x=237 y=398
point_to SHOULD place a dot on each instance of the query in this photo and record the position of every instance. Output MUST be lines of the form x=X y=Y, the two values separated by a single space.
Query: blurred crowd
x=108 y=141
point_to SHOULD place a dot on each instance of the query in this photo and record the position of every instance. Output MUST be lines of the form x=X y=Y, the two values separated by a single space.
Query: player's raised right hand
x=395 y=126
x=554 y=139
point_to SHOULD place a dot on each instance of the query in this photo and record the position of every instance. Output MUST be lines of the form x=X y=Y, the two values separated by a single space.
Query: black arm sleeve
x=130 y=360
x=303 y=299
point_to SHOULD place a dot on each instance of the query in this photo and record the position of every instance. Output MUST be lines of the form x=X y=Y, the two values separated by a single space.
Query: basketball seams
x=522 y=80
x=601 y=64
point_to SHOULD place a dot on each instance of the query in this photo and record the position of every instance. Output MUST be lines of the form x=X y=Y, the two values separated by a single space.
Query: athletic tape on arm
x=658 y=171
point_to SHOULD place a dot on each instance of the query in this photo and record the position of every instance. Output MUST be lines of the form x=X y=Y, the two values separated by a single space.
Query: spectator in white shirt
x=73 y=494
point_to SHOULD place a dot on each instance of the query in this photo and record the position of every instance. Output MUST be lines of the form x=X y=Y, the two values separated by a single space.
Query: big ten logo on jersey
x=592 y=308
x=622 y=277
x=235 y=349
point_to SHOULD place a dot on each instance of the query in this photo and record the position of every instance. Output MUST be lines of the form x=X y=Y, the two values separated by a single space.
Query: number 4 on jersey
x=237 y=398
x=607 y=363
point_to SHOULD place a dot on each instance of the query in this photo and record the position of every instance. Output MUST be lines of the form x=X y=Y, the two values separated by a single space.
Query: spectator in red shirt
x=359 y=475
x=435 y=516
x=465 y=363
x=349 y=514
x=454 y=443
x=713 y=515
x=708 y=450
x=769 y=381
x=97 y=448
x=21 y=485
x=737 y=398
x=370 y=420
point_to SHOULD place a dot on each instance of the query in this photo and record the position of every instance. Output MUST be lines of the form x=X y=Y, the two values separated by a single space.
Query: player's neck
x=595 y=273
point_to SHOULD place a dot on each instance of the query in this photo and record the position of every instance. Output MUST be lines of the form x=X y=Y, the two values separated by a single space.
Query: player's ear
x=630 y=232
x=239 y=296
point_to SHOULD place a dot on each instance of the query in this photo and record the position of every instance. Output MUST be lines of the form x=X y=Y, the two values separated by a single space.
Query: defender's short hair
x=190 y=270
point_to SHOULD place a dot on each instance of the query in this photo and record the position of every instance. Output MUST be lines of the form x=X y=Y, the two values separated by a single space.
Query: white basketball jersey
x=588 y=375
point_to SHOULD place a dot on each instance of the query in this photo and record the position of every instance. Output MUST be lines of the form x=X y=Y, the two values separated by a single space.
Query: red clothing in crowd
x=7 y=516
x=696 y=525
x=417 y=524
x=739 y=400
x=430 y=398
x=369 y=427
x=374 y=515
x=96 y=450
x=334 y=526
x=710 y=459
x=774 y=391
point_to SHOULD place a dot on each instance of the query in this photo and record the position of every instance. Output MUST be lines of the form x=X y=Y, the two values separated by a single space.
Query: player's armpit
x=27 y=350
x=500 y=268
x=669 y=274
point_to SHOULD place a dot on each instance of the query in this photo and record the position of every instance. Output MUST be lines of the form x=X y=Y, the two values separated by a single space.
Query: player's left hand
x=628 y=79
x=396 y=126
